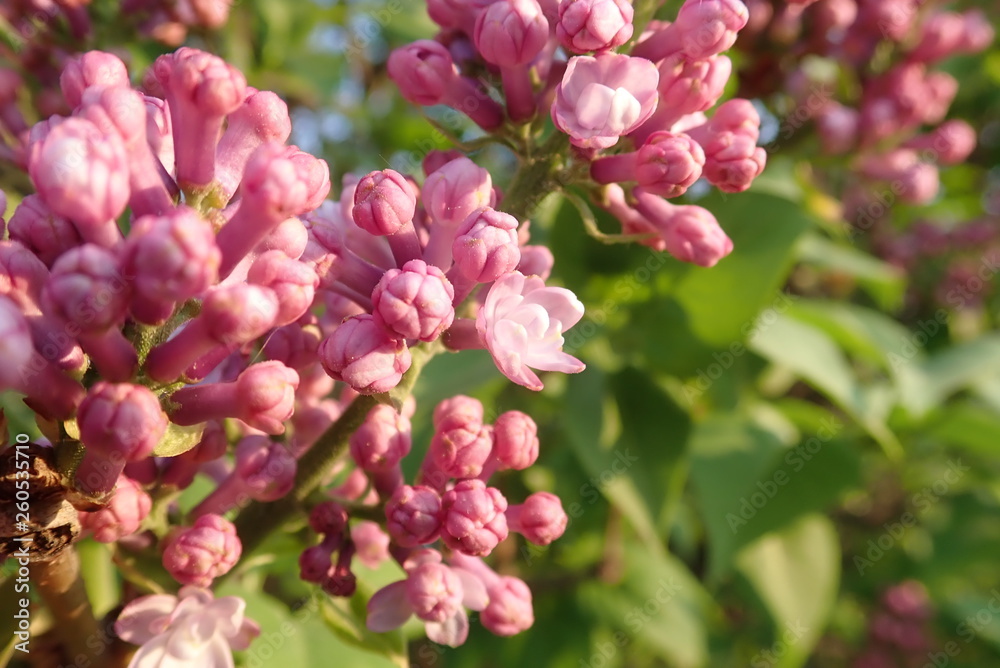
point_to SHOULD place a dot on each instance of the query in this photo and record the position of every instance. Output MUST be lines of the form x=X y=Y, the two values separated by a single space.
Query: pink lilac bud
x=414 y=302
x=914 y=181
x=733 y=161
x=203 y=552
x=837 y=126
x=93 y=68
x=457 y=411
x=510 y=34
x=522 y=324
x=383 y=203
x=290 y=237
x=263 y=396
x=536 y=261
x=49 y=392
x=485 y=246
x=201 y=89
x=541 y=518
x=473 y=517
x=891 y=19
x=86 y=291
x=371 y=542
x=264 y=471
x=159 y=131
x=686 y=87
x=594 y=25
x=339 y=580
x=41 y=231
x=434 y=592
x=413 y=515
x=293 y=345
x=11 y=117
x=515 y=440
x=293 y=282
x=708 y=27
x=126 y=509
x=689 y=233
x=435 y=160
x=462 y=449
x=908 y=600
x=382 y=441
x=450 y=195
x=509 y=611
x=172 y=259
x=280 y=182
x=230 y=317
x=118 y=423
x=364 y=355
x=666 y=164
x=123 y=111
x=262 y=117
x=603 y=97
x=426 y=75
x=949 y=144
x=81 y=173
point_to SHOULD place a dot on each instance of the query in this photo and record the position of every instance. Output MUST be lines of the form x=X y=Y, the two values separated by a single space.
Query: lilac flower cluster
x=898 y=632
x=179 y=281
x=636 y=119
x=893 y=125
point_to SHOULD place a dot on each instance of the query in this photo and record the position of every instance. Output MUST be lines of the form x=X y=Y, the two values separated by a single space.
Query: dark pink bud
x=294 y=345
x=594 y=25
x=93 y=68
x=43 y=232
x=916 y=182
x=314 y=563
x=364 y=355
x=414 y=302
x=485 y=246
x=328 y=517
x=733 y=161
x=908 y=600
x=383 y=202
x=382 y=440
x=541 y=518
x=474 y=521
x=689 y=233
x=434 y=592
x=509 y=611
x=293 y=282
x=203 y=552
x=263 y=396
x=82 y=174
x=262 y=117
x=118 y=423
x=435 y=160
x=413 y=515
x=515 y=440
x=837 y=126
x=511 y=33
x=171 y=258
x=265 y=467
x=126 y=509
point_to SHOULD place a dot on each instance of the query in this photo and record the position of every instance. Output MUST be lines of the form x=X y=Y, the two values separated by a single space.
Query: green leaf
x=178 y=440
x=346 y=618
x=884 y=282
x=656 y=429
x=968 y=426
x=811 y=354
x=796 y=573
x=925 y=384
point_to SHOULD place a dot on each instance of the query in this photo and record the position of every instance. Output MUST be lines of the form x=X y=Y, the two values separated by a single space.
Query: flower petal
x=137 y=622
x=452 y=632
x=388 y=608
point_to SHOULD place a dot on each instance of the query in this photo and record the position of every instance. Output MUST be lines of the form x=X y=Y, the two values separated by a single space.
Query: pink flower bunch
x=894 y=127
x=638 y=118
x=898 y=628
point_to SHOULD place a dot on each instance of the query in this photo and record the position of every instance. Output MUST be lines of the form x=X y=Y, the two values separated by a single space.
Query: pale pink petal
x=474 y=596
x=140 y=620
x=388 y=608
x=452 y=632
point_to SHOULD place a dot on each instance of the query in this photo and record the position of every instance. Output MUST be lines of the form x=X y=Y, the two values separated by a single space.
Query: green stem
x=536 y=178
x=258 y=519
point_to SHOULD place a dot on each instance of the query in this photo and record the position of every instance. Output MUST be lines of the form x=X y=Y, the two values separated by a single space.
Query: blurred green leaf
x=796 y=573
x=884 y=282
x=924 y=384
